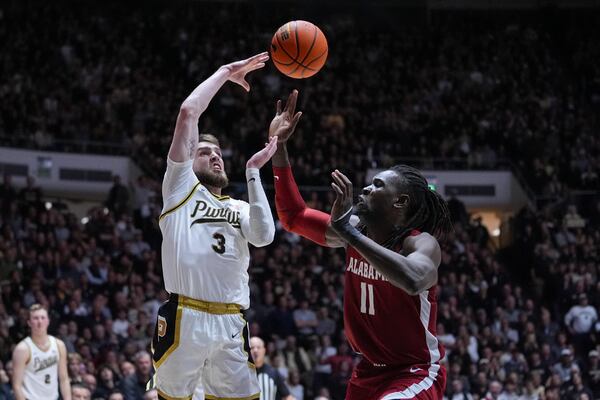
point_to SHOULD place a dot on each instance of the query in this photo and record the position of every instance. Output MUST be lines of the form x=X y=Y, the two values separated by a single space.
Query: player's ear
x=402 y=201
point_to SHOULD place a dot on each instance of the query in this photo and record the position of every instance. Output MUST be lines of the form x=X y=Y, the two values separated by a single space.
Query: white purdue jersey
x=205 y=255
x=40 y=380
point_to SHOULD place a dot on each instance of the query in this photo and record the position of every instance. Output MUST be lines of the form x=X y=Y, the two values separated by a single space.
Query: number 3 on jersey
x=219 y=247
x=366 y=301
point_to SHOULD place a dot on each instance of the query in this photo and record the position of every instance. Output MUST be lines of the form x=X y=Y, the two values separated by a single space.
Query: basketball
x=299 y=49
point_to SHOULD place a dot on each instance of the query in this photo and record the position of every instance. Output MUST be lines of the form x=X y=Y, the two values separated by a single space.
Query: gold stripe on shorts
x=252 y=397
x=209 y=307
x=166 y=396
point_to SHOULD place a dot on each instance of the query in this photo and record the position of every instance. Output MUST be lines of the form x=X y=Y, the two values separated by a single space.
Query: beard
x=212 y=178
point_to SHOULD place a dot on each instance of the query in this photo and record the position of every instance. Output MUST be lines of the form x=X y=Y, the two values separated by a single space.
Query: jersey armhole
x=28 y=351
x=181 y=203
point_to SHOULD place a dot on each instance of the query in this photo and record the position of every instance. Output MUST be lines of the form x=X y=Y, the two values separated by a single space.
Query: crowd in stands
x=517 y=323
x=483 y=87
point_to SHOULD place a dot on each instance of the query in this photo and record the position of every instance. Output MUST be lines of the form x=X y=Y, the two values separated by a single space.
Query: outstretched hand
x=285 y=121
x=259 y=159
x=238 y=70
x=342 y=206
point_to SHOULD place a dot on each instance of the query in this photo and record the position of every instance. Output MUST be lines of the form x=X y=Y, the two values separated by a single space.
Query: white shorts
x=201 y=349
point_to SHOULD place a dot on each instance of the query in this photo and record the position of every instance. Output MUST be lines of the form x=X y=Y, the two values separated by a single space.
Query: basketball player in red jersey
x=392 y=259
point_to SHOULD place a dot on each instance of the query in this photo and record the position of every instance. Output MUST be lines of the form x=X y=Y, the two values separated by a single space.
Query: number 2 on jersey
x=220 y=246
x=366 y=301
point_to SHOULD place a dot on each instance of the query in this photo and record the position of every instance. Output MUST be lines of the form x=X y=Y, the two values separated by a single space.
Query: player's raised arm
x=292 y=211
x=259 y=228
x=413 y=272
x=185 y=138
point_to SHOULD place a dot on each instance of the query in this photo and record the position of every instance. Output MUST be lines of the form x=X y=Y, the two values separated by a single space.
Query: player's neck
x=41 y=340
x=214 y=190
x=380 y=232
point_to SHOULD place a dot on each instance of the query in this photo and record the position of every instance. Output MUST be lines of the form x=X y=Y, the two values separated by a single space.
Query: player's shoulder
x=59 y=342
x=237 y=203
x=206 y=192
x=420 y=237
x=22 y=348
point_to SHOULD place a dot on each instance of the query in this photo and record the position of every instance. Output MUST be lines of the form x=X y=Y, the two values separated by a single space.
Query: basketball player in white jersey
x=40 y=362
x=200 y=345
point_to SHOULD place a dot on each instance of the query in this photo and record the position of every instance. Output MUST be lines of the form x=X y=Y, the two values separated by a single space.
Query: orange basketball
x=299 y=49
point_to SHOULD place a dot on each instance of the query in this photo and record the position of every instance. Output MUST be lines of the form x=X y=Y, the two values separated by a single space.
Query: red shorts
x=369 y=382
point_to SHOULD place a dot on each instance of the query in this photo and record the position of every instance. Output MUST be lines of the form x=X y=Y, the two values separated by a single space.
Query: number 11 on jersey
x=366 y=301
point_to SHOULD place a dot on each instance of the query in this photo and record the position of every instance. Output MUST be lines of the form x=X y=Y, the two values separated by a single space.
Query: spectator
x=74 y=365
x=592 y=373
x=305 y=319
x=80 y=392
x=115 y=395
x=459 y=392
x=8 y=194
x=295 y=386
x=127 y=369
x=580 y=320
x=494 y=391
x=118 y=197
x=575 y=388
x=566 y=366
x=325 y=324
x=5 y=386
x=30 y=195
x=297 y=358
x=134 y=386
x=89 y=381
x=106 y=381
x=572 y=219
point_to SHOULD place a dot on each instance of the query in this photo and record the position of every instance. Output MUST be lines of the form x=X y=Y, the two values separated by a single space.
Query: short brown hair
x=36 y=307
x=208 y=137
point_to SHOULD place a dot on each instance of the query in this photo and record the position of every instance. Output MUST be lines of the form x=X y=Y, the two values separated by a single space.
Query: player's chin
x=213 y=178
x=360 y=209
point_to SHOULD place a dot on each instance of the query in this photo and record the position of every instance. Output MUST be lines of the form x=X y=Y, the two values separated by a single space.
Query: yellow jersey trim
x=218 y=196
x=181 y=203
x=251 y=397
x=250 y=365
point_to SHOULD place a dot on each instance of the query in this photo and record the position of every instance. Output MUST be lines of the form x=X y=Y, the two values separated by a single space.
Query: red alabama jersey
x=386 y=324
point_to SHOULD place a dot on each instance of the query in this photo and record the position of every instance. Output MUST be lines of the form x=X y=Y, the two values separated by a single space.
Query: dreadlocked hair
x=427 y=210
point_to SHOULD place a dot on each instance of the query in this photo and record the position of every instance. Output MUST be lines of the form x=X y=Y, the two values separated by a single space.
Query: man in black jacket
x=272 y=385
